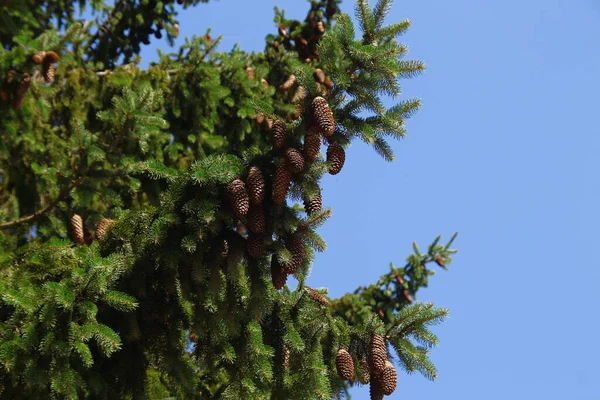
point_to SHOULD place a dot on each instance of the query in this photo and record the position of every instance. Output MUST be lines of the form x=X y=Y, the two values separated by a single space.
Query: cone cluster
x=344 y=364
x=77 y=229
x=382 y=373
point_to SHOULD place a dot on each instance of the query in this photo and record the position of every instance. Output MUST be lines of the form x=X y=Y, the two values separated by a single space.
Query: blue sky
x=504 y=151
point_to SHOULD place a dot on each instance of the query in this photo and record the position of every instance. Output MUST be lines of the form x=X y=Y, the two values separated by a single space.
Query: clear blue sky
x=506 y=152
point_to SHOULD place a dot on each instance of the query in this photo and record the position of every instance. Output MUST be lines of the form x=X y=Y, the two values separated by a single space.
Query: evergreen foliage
x=148 y=218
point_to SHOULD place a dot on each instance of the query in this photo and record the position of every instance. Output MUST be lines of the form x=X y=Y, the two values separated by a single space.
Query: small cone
x=319 y=298
x=193 y=337
x=439 y=260
x=312 y=144
x=38 y=57
x=250 y=73
x=278 y=274
x=279 y=134
x=321 y=27
x=319 y=75
x=314 y=204
x=286 y=357
x=48 y=68
x=295 y=246
x=323 y=116
x=344 y=364
x=264 y=82
x=287 y=85
x=77 y=229
x=102 y=228
x=282 y=183
x=256 y=185
x=388 y=379
x=21 y=90
x=294 y=160
x=407 y=296
x=299 y=94
x=255 y=245
x=256 y=219
x=176 y=29
x=375 y=389
x=377 y=354
x=260 y=118
x=336 y=156
x=364 y=376
x=236 y=191
x=282 y=31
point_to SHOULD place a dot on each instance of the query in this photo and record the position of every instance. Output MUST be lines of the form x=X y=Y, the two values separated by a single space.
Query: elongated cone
x=256 y=219
x=299 y=94
x=38 y=57
x=102 y=228
x=319 y=75
x=407 y=296
x=48 y=68
x=281 y=185
x=365 y=376
x=377 y=354
x=288 y=84
x=294 y=160
x=389 y=379
x=21 y=90
x=77 y=229
x=279 y=134
x=255 y=245
x=336 y=157
x=286 y=357
x=344 y=364
x=278 y=274
x=256 y=185
x=323 y=116
x=236 y=192
x=314 y=204
x=312 y=144
x=375 y=389
x=319 y=298
x=295 y=245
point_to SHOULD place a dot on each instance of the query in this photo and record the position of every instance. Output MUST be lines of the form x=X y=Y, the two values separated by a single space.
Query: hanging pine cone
x=260 y=118
x=312 y=143
x=319 y=75
x=48 y=67
x=278 y=274
x=255 y=245
x=264 y=82
x=388 y=379
x=377 y=354
x=364 y=376
x=38 y=57
x=299 y=94
x=236 y=191
x=282 y=183
x=328 y=84
x=176 y=29
x=256 y=185
x=287 y=85
x=269 y=123
x=250 y=73
x=286 y=357
x=314 y=204
x=102 y=228
x=21 y=90
x=279 y=134
x=295 y=245
x=439 y=260
x=319 y=298
x=344 y=365
x=336 y=156
x=256 y=219
x=8 y=80
x=375 y=389
x=320 y=27
x=294 y=160
x=323 y=116
x=407 y=296
x=77 y=229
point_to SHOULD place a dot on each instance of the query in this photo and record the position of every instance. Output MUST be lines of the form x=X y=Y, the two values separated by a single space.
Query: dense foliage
x=149 y=218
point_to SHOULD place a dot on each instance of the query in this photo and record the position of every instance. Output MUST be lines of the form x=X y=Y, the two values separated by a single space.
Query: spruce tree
x=151 y=218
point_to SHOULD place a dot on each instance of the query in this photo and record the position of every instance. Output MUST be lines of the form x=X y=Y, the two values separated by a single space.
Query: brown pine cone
x=279 y=134
x=377 y=354
x=336 y=156
x=281 y=185
x=314 y=204
x=321 y=27
x=312 y=144
x=77 y=229
x=407 y=296
x=439 y=260
x=21 y=90
x=278 y=274
x=319 y=298
x=344 y=364
x=38 y=57
x=295 y=245
x=299 y=94
x=286 y=357
x=294 y=160
x=256 y=219
x=323 y=116
x=375 y=389
x=364 y=376
x=255 y=245
x=8 y=80
x=388 y=379
x=236 y=192
x=287 y=85
x=260 y=118
x=176 y=29
x=250 y=73
x=256 y=185
x=48 y=68
x=102 y=227
x=319 y=75
x=264 y=82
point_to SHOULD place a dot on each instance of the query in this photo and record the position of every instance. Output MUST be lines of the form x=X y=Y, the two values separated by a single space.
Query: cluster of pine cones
x=378 y=371
x=18 y=87
x=80 y=235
